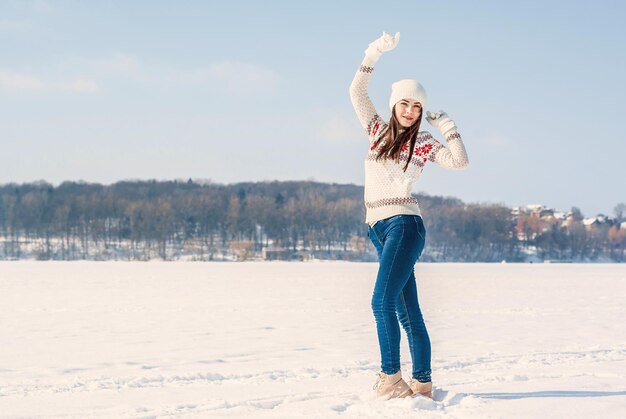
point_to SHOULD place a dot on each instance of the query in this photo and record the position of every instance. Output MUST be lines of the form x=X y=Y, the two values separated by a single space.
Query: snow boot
x=391 y=386
x=421 y=389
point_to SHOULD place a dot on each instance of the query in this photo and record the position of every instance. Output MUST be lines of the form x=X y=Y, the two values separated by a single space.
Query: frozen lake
x=279 y=339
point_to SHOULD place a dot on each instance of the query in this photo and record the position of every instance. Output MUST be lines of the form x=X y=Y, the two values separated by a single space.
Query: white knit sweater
x=387 y=187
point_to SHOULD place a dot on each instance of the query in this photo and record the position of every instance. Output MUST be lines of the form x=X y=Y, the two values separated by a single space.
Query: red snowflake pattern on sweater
x=423 y=151
x=434 y=152
x=374 y=125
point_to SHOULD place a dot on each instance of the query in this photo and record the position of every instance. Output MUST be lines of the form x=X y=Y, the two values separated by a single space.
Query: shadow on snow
x=512 y=396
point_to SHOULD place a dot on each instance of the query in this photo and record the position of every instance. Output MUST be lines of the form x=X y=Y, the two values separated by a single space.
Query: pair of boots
x=393 y=386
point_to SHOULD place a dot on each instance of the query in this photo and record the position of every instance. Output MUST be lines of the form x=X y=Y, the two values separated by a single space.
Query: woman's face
x=408 y=112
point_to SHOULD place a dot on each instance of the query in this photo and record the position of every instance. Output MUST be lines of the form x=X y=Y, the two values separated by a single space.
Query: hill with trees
x=293 y=220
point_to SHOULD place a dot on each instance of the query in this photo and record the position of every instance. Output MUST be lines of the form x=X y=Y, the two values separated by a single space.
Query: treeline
x=195 y=220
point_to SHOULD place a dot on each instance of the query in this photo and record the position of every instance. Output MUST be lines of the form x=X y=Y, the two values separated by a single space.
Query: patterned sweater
x=387 y=187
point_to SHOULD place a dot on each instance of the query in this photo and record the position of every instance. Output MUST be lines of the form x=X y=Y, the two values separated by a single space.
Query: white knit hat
x=407 y=89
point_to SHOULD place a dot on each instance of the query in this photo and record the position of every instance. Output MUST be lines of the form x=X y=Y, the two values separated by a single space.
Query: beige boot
x=391 y=386
x=421 y=389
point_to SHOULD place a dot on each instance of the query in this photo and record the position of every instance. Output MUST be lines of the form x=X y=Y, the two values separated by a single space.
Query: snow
x=289 y=340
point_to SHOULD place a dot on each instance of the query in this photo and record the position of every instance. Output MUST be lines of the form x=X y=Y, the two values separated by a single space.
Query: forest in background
x=293 y=220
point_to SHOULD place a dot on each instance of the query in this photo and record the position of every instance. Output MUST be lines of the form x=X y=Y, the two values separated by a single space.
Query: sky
x=258 y=91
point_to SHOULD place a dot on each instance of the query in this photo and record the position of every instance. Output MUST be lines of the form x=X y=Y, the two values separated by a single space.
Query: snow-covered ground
x=288 y=340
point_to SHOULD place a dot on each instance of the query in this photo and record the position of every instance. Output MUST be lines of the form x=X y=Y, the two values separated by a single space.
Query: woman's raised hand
x=383 y=44
x=441 y=121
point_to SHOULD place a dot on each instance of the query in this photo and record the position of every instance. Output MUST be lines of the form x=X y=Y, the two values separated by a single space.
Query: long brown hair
x=395 y=140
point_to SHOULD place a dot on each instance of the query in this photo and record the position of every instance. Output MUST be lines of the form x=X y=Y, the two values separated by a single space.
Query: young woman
x=398 y=153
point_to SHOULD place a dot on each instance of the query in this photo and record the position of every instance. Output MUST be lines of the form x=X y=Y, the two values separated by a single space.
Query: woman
x=398 y=153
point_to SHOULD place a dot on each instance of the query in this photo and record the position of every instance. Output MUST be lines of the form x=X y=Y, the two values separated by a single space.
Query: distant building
x=534 y=207
x=564 y=219
x=591 y=221
x=546 y=213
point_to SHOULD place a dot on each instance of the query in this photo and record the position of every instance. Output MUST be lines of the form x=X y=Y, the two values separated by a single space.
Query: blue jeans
x=399 y=241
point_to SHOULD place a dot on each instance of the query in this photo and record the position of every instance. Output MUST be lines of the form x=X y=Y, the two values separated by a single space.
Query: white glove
x=441 y=121
x=383 y=44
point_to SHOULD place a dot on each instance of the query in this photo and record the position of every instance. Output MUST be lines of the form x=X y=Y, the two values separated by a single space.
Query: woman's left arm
x=454 y=155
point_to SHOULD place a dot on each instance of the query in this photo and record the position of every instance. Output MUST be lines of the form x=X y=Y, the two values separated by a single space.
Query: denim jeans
x=399 y=241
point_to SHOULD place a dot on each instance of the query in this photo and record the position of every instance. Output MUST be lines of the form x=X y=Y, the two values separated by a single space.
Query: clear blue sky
x=103 y=91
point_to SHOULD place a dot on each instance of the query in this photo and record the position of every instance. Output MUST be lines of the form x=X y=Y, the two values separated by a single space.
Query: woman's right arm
x=363 y=106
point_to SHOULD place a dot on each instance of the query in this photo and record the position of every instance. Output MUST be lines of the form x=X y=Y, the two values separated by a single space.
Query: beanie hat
x=407 y=89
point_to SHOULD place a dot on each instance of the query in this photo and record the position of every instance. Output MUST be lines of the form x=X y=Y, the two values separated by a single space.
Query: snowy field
x=297 y=340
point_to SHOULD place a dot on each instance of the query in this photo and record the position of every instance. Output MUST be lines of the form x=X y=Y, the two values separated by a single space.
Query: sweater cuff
x=451 y=134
